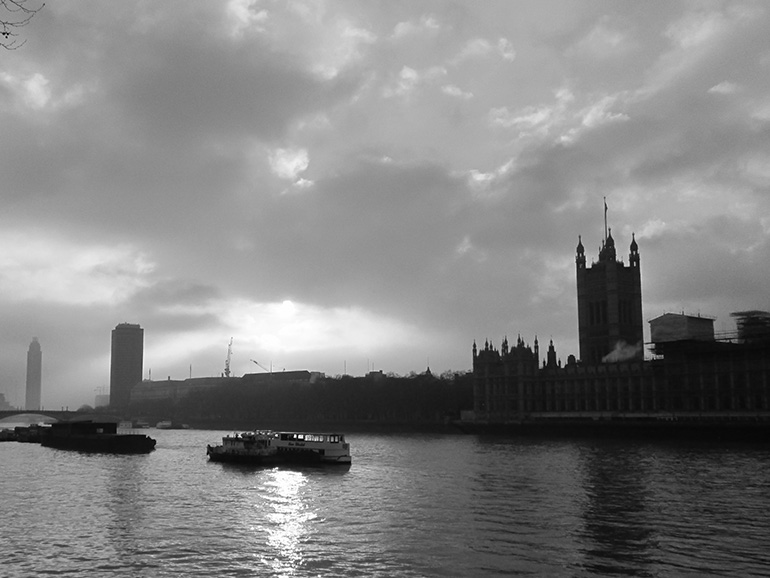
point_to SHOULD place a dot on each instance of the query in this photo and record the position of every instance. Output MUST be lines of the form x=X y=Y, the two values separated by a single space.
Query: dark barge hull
x=91 y=436
x=114 y=444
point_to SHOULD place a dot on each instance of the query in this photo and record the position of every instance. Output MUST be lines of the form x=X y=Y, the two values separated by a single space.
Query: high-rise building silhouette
x=609 y=296
x=34 y=376
x=126 y=362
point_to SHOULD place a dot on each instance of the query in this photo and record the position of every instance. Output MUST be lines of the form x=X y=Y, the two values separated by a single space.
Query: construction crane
x=265 y=368
x=229 y=355
x=260 y=365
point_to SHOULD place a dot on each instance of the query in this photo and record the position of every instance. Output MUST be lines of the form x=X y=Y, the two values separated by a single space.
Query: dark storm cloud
x=201 y=91
x=374 y=228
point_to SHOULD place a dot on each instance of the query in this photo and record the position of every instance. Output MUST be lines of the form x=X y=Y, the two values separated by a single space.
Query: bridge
x=53 y=415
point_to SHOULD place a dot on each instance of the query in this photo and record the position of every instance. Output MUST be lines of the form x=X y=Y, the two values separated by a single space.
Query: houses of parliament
x=691 y=376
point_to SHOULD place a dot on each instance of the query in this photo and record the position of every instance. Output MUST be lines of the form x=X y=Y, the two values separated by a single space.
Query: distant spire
x=634 y=256
x=580 y=255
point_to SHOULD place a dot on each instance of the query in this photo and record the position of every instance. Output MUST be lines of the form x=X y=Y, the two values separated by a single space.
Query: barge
x=93 y=436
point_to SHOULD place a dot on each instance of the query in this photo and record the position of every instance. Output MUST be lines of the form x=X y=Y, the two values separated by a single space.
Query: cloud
x=601 y=112
x=35 y=94
x=481 y=47
x=605 y=40
x=274 y=334
x=289 y=327
x=477 y=47
x=289 y=163
x=37 y=267
x=246 y=15
x=342 y=50
x=425 y=25
x=696 y=28
x=505 y=48
x=528 y=118
x=652 y=228
x=562 y=122
x=724 y=88
x=756 y=169
x=456 y=91
x=409 y=79
x=466 y=248
x=489 y=183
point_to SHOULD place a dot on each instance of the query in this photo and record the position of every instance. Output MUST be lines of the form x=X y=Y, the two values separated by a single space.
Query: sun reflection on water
x=288 y=517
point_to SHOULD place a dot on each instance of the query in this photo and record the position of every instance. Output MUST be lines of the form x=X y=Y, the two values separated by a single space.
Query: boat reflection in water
x=271 y=447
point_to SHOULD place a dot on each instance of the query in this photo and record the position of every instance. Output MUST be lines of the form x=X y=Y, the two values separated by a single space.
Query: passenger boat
x=271 y=447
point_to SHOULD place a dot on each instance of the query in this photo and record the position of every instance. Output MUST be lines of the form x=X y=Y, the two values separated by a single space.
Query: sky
x=348 y=186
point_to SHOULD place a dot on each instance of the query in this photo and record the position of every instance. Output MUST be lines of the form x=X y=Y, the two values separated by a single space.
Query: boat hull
x=86 y=436
x=273 y=460
x=119 y=444
x=279 y=457
x=234 y=458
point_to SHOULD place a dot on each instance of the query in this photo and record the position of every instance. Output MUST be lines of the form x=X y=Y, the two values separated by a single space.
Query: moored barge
x=92 y=436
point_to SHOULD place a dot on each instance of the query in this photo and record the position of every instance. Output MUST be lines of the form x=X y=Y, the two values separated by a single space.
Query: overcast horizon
x=359 y=185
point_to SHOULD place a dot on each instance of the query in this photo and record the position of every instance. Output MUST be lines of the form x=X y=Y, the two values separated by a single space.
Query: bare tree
x=14 y=14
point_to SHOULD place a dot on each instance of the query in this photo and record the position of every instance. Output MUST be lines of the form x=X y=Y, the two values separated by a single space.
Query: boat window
x=310 y=437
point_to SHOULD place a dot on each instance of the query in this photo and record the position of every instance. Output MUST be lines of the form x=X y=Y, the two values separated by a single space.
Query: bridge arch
x=51 y=416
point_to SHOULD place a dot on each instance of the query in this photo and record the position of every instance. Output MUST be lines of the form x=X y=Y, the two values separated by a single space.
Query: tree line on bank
x=422 y=399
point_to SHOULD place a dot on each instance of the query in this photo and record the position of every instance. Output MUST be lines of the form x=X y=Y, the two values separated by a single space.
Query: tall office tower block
x=609 y=293
x=34 y=376
x=126 y=362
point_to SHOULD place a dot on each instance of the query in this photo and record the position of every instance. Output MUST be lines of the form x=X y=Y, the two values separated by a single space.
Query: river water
x=410 y=505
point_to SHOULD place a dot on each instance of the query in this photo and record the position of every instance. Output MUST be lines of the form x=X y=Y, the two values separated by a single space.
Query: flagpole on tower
x=605 y=219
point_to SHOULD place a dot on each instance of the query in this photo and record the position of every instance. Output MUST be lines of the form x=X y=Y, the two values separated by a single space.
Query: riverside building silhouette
x=691 y=376
x=34 y=376
x=126 y=362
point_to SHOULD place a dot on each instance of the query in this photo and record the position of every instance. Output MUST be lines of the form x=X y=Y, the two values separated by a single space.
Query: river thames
x=410 y=505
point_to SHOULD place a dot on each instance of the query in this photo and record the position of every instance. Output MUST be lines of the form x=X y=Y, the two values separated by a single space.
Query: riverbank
x=329 y=427
x=757 y=431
